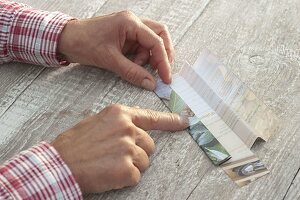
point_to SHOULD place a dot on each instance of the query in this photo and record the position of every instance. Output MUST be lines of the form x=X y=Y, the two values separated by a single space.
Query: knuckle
x=160 y=41
x=173 y=118
x=126 y=129
x=125 y=165
x=130 y=129
x=134 y=176
x=114 y=109
x=164 y=27
x=126 y=14
x=129 y=22
x=130 y=149
x=153 y=116
x=169 y=50
x=146 y=163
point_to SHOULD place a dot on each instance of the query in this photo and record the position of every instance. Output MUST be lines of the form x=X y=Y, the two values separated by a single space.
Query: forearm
x=30 y=35
x=37 y=173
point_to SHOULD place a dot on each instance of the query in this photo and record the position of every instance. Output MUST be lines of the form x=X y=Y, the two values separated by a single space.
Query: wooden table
x=259 y=40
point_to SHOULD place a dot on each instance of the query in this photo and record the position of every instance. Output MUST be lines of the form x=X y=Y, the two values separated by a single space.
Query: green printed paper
x=208 y=143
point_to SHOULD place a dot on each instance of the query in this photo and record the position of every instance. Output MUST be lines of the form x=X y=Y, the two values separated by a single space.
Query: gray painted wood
x=293 y=192
x=75 y=8
x=258 y=40
x=16 y=77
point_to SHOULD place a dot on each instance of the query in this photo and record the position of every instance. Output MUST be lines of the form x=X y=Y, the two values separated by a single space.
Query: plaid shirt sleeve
x=37 y=173
x=30 y=35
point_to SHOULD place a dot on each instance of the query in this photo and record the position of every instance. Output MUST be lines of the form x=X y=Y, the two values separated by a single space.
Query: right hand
x=110 y=150
x=105 y=41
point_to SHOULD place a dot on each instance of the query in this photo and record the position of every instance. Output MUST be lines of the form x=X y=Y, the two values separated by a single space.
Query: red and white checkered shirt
x=31 y=36
x=37 y=173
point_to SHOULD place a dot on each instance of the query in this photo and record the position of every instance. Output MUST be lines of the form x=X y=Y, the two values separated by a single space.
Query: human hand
x=104 y=41
x=109 y=150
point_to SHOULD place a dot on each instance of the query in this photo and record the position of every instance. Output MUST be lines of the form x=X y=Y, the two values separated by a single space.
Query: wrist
x=62 y=146
x=68 y=41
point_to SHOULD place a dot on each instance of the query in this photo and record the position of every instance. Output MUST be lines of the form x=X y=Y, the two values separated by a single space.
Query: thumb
x=134 y=73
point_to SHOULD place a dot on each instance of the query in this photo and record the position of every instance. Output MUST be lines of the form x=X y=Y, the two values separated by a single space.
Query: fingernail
x=185 y=121
x=148 y=84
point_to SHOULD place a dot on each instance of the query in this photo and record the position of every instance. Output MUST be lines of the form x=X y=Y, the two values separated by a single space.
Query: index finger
x=162 y=31
x=151 y=41
x=153 y=120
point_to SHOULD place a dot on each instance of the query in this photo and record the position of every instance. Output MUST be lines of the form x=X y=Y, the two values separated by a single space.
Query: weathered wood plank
x=178 y=15
x=75 y=8
x=59 y=98
x=16 y=77
x=259 y=41
x=294 y=190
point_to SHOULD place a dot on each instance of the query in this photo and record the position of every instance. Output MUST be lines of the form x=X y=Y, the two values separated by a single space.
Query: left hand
x=105 y=41
x=110 y=150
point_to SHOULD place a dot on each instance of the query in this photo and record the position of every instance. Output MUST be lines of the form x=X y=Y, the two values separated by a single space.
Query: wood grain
x=15 y=78
x=59 y=102
x=293 y=192
x=251 y=40
x=258 y=40
x=75 y=8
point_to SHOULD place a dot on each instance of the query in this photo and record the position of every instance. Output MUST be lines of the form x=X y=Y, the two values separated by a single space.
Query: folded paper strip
x=225 y=116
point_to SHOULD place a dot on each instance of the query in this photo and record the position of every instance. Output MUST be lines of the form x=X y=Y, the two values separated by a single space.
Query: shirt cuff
x=34 y=34
x=38 y=173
